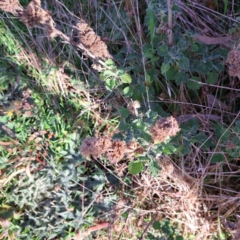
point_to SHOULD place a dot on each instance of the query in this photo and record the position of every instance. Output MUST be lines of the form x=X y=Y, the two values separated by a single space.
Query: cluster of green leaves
x=58 y=196
x=165 y=231
x=137 y=129
x=114 y=77
x=58 y=199
x=181 y=63
x=224 y=141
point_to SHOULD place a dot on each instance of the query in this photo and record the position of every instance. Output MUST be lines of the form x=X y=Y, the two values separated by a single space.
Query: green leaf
x=217 y=157
x=181 y=77
x=151 y=24
x=123 y=126
x=162 y=50
x=147 y=50
x=126 y=78
x=199 y=138
x=135 y=167
x=124 y=112
x=156 y=225
x=171 y=73
x=110 y=63
x=168 y=149
x=182 y=45
x=183 y=63
x=154 y=168
x=184 y=150
x=233 y=152
x=176 y=8
x=164 y=68
x=236 y=140
x=193 y=85
x=128 y=91
x=212 y=77
x=194 y=47
x=118 y=136
x=222 y=133
x=109 y=73
x=179 y=238
x=110 y=84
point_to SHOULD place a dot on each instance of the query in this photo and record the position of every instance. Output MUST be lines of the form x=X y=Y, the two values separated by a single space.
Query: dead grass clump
x=233 y=61
x=174 y=195
x=164 y=128
x=12 y=6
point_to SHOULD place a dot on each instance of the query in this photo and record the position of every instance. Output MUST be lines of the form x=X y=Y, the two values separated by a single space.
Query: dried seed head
x=164 y=128
x=233 y=62
x=34 y=15
x=95 y=146
x=84 y=34
x=12 y=6
x=116 y=152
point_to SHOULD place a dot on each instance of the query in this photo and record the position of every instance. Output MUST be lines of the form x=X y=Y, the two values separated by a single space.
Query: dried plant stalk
x=213 y=40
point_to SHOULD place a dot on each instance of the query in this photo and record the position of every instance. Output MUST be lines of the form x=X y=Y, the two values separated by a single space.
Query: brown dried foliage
x=12 y=6
x=233 y=61
x=95 y=146
x=164 y=128
x=174 y=195
x=84 y=34
x=34 y=15
x=116 y=152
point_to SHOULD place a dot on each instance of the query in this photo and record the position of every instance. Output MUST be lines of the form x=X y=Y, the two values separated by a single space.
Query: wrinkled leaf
x=135 y=167
x=164 y=68
x=126 y=78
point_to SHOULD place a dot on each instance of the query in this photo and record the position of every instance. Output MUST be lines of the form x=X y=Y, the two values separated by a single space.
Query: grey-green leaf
x=135 y=167
x=183 y=63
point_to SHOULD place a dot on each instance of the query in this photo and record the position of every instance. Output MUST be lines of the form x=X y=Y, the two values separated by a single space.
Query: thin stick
x=170 y=25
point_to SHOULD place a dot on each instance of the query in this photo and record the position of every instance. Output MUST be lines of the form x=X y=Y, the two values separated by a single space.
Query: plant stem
x=170 y=25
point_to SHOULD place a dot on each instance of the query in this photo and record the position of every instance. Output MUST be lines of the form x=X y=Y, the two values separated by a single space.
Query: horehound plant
x=116 y=150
